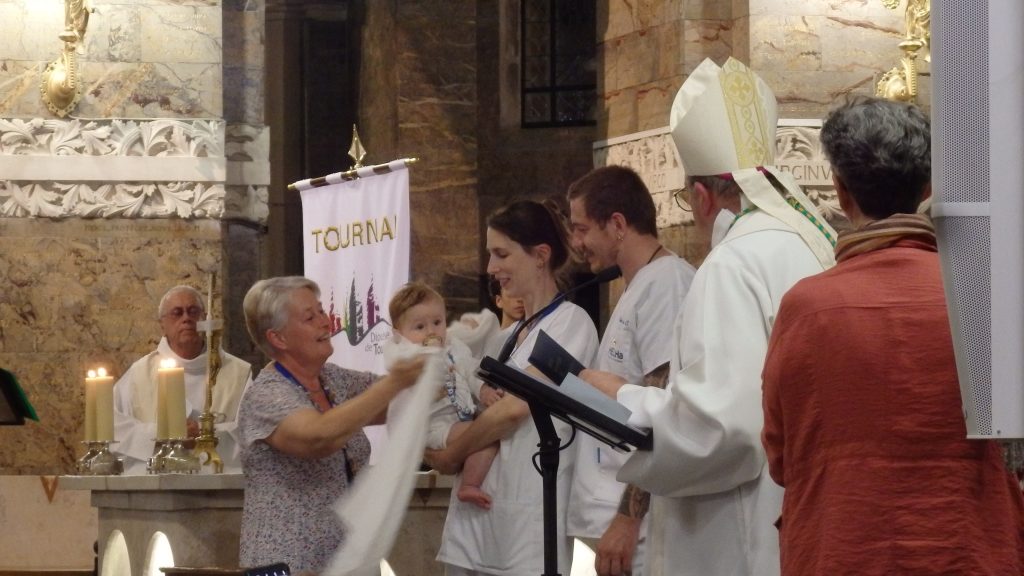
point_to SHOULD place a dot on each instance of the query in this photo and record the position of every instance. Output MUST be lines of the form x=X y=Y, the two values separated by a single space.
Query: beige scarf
x=884 y=233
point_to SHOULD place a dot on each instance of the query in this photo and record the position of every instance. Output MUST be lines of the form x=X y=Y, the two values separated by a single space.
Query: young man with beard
x=613 y=223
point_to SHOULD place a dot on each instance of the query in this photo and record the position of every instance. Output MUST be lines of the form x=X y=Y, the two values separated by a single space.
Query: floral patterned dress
x=287 y=515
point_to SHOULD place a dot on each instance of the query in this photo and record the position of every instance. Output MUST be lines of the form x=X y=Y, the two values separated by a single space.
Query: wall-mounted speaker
x=978 y=202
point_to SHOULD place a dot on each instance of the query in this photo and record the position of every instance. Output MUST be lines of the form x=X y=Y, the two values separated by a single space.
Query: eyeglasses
x=682 y=198
x=193 y=312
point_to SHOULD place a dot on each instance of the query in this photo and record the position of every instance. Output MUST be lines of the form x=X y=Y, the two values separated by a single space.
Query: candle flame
x=91 y=373
x=102 y=372
x=168 y=363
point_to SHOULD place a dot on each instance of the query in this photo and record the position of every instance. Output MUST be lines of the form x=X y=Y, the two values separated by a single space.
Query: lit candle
x=99 y=406
x=90 y=406
x=104 y=406
x=170 y=401
x=161 y=398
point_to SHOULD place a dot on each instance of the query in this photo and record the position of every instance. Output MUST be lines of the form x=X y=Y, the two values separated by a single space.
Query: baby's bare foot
x=475 y=496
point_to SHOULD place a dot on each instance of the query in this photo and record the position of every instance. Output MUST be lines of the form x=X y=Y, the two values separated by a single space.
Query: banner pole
x=352 y=174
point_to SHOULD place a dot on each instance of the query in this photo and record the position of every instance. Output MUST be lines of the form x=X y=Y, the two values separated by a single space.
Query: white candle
x=104 y=406
x=99 y=406
x=162 y=374
x=171 y=391
x=90 y=406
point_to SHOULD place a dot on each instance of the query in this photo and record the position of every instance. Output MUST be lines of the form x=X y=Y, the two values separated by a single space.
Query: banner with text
x=356 y=247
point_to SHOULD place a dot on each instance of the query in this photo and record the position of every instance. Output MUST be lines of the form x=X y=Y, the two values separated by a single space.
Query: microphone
x=602 y=276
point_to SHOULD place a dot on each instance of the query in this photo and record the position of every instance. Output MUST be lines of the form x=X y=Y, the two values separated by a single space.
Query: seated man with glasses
x=135 y=393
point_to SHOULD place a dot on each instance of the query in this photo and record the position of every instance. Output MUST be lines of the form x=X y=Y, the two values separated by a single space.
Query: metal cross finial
x=356 y=151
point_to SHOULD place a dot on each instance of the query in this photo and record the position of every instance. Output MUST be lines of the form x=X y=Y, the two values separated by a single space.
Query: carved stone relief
x=162 y=168
x=654 y=157
x=798 y=151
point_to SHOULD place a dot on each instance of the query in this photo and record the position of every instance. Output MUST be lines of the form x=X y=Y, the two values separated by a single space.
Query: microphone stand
x=550 y=443
x=549 y=447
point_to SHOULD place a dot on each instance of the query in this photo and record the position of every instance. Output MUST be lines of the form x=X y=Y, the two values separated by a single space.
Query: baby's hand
x=489 y=395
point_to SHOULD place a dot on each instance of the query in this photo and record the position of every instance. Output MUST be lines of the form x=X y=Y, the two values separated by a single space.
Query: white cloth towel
x=374 y=506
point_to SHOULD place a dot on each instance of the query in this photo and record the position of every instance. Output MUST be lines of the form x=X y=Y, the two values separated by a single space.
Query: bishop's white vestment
x=713 y=504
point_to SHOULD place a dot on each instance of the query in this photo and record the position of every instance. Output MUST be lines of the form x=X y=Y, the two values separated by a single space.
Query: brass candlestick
x=61 y=87
x=900 y=82
x=206 y=442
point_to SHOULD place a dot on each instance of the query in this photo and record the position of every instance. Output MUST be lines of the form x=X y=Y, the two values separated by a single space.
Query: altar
x=146 y=522
x=194 y=520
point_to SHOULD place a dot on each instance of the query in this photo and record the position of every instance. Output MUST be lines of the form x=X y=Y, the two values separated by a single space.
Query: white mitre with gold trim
x=723 y=120
x=723 y=123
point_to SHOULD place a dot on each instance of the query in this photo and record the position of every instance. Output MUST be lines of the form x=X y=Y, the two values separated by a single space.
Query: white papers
x=586 y=394
x=581 y=391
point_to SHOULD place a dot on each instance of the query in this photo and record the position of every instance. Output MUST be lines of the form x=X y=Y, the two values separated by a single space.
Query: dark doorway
x=312 y=60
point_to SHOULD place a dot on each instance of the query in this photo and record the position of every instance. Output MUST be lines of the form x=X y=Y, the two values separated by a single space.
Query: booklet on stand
x=552 y=360
x=573 y=401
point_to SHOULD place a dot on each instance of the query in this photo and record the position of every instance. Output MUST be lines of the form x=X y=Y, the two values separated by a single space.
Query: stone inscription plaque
x=654 y=157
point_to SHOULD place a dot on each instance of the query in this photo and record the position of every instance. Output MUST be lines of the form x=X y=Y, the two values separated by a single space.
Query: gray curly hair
x=880 y=151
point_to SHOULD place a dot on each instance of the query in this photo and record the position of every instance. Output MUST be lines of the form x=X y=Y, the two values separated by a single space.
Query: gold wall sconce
x=900 y=82
x=61 y=86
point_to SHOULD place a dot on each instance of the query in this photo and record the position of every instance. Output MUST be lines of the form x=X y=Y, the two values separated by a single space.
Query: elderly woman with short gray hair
x=301 y=426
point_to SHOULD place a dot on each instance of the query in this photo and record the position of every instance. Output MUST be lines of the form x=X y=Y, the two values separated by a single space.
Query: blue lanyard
x=548 y=309
x=349 y=469
x=291 y=378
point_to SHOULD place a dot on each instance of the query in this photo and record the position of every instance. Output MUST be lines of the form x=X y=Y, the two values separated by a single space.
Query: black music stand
x=14 y=404
x=547 y=400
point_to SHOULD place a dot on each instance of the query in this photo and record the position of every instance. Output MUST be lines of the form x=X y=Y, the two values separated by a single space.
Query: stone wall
x=158 y=178
x=418 y=98
x=811 y=52
x=646 y=51
x=515 y=162
x=82 y=294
